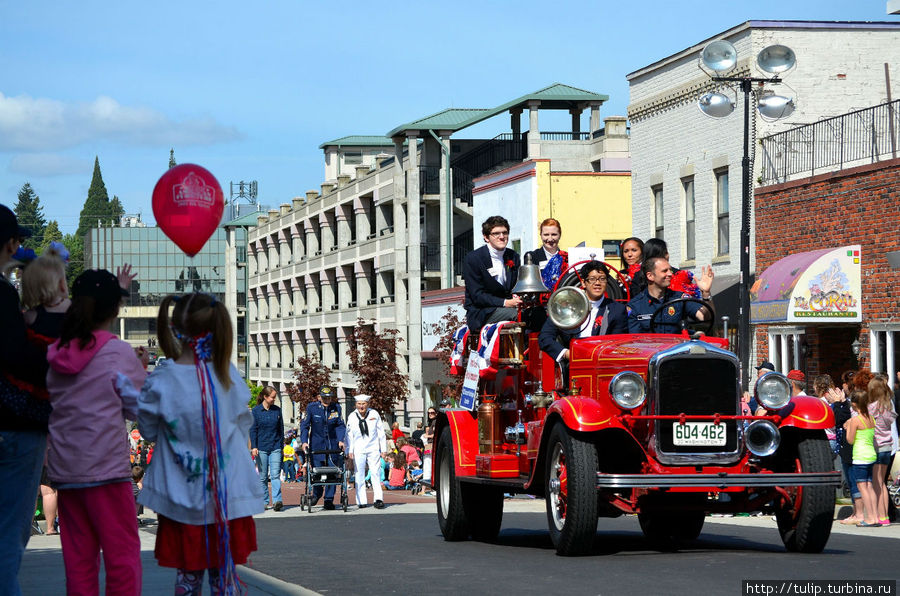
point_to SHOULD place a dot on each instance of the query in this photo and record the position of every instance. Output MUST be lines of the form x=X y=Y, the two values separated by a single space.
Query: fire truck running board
x=721 y=480
x=511 y=484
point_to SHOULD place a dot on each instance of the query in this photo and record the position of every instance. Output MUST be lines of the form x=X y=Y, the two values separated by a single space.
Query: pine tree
x=116 y=210
x=172 y=163
x=96 y=207
x=51 y=234
x=75 y=245
x=30 y=215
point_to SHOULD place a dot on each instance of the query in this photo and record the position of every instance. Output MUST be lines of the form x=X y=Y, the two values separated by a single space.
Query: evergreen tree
x=172 y=163
x=51 y=234
x=96 y=207
x=75 y=244
x=30 y=215
x=116 y=210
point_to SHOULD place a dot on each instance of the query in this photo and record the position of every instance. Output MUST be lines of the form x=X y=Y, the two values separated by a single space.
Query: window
x=353 y=158
x=658 y=214
x=884 y=343
x=785 y=348
x=690 y=232
x=722 y=225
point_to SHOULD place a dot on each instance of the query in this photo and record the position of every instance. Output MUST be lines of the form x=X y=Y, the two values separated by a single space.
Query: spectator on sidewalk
x=266 y=436
x=290 y=462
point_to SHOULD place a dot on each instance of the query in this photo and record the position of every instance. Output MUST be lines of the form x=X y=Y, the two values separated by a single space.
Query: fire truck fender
x=806 y=412
x=463 y=428
x=584 y=414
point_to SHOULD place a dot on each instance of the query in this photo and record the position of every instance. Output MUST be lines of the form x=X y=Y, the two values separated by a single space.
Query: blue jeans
x=290 y=472
x=269 y=463
x=21 y=458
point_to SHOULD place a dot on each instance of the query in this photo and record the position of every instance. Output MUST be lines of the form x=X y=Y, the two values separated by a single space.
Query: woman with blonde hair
x=881 y=409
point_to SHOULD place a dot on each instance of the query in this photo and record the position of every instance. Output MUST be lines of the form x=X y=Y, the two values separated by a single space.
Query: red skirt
x=183 y=546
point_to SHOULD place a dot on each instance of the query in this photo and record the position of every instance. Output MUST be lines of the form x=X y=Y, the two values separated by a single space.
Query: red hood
x=72 y=359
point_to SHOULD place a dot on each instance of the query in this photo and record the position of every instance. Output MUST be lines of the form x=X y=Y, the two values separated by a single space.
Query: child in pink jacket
x=89 y=457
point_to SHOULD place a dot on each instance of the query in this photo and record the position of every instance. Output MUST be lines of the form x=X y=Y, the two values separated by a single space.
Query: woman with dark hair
x=632 y=250
x=652 y=248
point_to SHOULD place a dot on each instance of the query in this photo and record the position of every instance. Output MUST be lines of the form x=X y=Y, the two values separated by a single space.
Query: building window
x=785 y=348
x=723 y=244
x=885 y=352
x=353 y=158
x=690 y=232
x=658 y=214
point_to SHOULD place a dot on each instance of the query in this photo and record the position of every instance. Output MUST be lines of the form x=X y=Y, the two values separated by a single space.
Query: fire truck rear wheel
x=571 y=489
x=806 y=526
x=451 y=512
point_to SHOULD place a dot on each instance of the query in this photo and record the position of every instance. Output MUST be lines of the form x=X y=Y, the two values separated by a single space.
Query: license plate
x=703 y=434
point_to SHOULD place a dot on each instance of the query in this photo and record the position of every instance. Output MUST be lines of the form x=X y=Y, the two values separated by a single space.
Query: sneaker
x=363 y=506
x=278 y=506
x=379 y=504
x=268 y=506
x=329 y=506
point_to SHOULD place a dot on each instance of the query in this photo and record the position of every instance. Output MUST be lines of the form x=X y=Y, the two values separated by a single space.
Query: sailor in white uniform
x=366 y=444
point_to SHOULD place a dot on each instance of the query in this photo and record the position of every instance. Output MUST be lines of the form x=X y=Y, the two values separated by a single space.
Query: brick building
x=856 y=206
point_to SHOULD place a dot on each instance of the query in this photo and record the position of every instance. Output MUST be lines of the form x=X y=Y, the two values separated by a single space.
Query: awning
x=818 y=286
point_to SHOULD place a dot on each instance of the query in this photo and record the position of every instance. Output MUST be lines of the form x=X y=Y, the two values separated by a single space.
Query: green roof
x=555 y=97
x=359 y=141
x=244 y=220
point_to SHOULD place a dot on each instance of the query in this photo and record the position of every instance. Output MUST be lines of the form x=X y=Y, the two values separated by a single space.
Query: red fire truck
x=645 y=424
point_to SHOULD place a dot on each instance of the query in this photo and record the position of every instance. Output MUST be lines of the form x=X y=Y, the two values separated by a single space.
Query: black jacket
x=484 y=294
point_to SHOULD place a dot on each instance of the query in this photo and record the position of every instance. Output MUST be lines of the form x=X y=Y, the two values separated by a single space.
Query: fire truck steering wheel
x=705 y=326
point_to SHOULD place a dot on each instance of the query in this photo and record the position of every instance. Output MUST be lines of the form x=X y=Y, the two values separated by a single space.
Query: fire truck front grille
x=704 y=386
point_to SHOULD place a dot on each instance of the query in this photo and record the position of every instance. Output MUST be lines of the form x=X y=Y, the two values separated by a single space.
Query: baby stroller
x=329 y=474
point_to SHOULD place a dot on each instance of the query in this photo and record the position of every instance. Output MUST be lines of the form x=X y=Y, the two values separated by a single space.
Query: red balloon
x=188 y=204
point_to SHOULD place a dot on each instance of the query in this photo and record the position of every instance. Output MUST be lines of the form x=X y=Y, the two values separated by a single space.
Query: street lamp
x=720 y=57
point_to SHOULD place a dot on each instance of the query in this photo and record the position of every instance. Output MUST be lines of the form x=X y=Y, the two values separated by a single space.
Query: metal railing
x=429 y=180
x=852 y=139
x=565 y=136
x=462 y=244
x=431 y=256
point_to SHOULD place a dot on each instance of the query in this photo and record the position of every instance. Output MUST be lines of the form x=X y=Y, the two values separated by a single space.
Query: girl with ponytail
x=194 y=405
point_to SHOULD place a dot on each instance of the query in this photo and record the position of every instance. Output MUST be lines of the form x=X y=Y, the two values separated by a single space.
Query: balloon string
x=228 y=581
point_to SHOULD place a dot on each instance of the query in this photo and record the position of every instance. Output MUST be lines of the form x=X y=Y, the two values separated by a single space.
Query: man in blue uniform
x=659 y=276
x=323 y=429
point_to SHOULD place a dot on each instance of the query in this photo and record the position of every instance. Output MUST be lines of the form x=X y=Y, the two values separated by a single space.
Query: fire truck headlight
x=773 y=390
x=628 y=390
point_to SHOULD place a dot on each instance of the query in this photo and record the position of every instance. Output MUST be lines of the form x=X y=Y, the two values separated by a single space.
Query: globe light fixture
x=717 y=58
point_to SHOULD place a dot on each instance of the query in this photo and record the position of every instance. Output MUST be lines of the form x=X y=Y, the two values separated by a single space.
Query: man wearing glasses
x=490 y=273
x=607 y=317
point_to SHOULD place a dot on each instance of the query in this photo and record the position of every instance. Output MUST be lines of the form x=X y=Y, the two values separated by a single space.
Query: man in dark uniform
x=490 y=273
x=607 y=317
x=323 y=429
x=659 y=277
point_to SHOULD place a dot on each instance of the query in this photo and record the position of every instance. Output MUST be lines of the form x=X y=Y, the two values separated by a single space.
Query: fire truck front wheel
x=805 y=523
x=451 y=512
x=571 y=490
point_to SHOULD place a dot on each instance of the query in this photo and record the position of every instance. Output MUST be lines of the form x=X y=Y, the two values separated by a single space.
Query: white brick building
x=686 y=167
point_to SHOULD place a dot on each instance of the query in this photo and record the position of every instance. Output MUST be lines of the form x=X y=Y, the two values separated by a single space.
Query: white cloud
x=39 y=124
x=48 y=164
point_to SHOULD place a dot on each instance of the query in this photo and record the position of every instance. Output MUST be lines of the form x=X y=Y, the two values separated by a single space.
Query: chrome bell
x=529 y=281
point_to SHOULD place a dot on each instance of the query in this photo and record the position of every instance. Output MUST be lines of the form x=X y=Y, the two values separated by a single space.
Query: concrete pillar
x=312 y=297
x=414 y=279
x=287 y=309
x=576 y=123
x=534 y=131
x=445 y=215
x=298 y=298
x=361 y=221
x=297 y=238
x=285 y=256
x=328 y=296
x=515 y=123
x=327 y=231
x=343 y=225
x=312 y=242
x=595 y=115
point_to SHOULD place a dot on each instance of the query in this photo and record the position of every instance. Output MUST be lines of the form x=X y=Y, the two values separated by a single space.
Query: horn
x=762 y=438
x=529 y=281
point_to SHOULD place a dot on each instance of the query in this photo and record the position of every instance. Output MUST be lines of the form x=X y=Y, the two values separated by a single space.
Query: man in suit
x=607 y=317
x=490 y=273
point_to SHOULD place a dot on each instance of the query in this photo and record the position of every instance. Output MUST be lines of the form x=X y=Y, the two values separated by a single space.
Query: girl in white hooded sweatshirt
x=89 y=460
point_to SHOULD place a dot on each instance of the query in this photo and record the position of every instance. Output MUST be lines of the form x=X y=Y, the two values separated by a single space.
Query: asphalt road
x=390 y=553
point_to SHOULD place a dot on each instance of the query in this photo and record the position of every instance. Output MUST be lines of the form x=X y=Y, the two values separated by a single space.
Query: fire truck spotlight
x=773 y=390
x=628 y=390
x=568 y=307
x=762 y=438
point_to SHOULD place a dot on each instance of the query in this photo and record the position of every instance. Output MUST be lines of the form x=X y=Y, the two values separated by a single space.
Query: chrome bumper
x=717 y=481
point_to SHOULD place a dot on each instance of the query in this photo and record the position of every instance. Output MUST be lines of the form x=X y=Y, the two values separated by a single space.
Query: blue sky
x=250 y=90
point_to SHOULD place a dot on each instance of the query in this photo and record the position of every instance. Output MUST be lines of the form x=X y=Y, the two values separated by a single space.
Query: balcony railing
x=431 y=256
x=852 y=139
x=429 y=180
x=565 y=136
